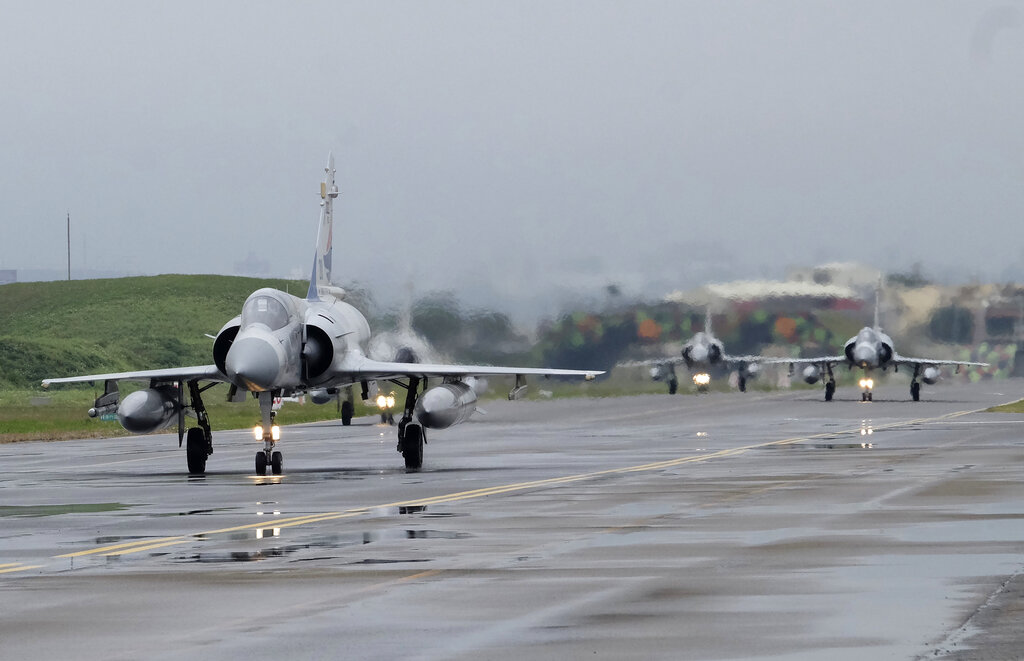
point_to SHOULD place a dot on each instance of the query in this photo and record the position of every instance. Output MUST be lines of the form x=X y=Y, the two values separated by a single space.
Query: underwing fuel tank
x=931 y=375
x=811 y=374
x=149 y=410
x=446 y=405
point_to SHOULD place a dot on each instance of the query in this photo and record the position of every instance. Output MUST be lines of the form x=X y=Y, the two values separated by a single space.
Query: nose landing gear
x=269 y=433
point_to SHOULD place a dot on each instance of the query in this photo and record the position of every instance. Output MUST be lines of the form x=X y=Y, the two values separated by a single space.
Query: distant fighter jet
x=281 y=344
x=702 y=353
x=872 y=349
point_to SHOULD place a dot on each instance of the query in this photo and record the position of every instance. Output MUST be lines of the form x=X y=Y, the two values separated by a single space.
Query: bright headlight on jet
x=391 y=401
x=257 y=432
x=382 y=401
x=702 y=379
x=867 y=384
x=275 y=433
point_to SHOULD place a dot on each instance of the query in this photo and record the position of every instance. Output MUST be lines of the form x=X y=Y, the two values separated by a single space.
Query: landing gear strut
x=268 y=456
x=742 y=383
x=830 y=384
x=670 y=376
x=410 y=434
x=915 y=386
x=199 y=440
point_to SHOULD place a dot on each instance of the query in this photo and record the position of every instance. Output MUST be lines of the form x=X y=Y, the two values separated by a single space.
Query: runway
x=720 y=526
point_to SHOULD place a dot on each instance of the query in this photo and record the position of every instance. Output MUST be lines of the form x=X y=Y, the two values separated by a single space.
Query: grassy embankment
x=1015 y=407
x=51 y=329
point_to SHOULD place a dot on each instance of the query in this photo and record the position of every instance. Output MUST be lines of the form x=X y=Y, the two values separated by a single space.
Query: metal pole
x=69 y=245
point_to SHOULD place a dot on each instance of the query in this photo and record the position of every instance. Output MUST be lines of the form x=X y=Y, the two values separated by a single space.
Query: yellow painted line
x=473 y=494
x=19 y=568
x=117 y=546
x=180 y=540
x=10 y=564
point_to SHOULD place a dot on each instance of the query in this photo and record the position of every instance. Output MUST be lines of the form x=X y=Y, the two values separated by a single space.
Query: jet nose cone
x=864 y=355
x=699 y=354
x=252 y=362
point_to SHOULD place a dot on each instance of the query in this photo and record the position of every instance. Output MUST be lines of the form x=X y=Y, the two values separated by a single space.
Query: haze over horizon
x=523 y=153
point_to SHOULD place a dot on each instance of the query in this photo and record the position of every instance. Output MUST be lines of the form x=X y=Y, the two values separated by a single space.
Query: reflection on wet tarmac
x=335 y=542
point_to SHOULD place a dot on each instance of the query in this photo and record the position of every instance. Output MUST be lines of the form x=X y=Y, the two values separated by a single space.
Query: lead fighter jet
x=282 y=344
x=872 y=349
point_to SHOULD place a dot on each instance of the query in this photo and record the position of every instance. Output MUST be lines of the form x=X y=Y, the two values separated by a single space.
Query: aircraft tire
x=195 y=451
x=412 y=446
x=743 y=384
x=915 y=391
x=261 y=463
x=829 y=391
x=673 y=386
x=347 y=410
x=276 y=463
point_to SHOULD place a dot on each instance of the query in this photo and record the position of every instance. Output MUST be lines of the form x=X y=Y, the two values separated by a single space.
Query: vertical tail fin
x=320 y=278
x=707 y=320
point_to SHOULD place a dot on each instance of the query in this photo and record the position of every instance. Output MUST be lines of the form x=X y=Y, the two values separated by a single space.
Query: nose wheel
x=272 y=458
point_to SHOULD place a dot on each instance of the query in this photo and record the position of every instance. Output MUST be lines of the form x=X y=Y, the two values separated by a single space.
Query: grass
x=52 y=329
x=1015 y=407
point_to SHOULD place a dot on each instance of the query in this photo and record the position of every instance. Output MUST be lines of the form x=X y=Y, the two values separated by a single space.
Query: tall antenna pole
x=69 y=245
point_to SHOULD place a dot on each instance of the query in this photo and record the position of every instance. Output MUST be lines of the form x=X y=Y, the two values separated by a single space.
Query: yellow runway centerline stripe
x=11 y=570
x=113 y=547
x=160 y=542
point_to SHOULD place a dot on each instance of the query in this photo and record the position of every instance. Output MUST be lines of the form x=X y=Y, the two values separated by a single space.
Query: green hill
x=52 y=329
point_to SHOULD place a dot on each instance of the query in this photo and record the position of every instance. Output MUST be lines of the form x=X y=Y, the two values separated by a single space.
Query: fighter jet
x=282 y=344
x=872 y=349
x=702 y=353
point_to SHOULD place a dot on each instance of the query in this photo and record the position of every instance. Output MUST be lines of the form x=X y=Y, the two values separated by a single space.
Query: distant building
x=7 y=276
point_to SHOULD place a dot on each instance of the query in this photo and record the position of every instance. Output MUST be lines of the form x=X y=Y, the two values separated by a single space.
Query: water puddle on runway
x=330 y=542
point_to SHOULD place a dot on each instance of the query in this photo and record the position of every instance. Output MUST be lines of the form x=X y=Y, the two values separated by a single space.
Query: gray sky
x=516 y=150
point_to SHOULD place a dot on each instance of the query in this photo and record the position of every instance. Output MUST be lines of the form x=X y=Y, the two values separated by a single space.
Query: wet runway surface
x=724 y=526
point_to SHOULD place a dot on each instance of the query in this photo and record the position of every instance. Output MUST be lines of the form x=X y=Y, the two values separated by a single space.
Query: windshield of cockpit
x=264 y=309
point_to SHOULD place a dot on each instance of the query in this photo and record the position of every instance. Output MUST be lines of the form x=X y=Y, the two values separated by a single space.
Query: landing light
x=867 y=384
x=257 y=431
x=382 y=401
x=275 y=433
x=702 y=379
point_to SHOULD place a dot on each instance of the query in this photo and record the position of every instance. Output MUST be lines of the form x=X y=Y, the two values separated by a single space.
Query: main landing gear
x=830 y=383
x=198 y=440
x=411 y=436
x=915 y=389
x=270 y=434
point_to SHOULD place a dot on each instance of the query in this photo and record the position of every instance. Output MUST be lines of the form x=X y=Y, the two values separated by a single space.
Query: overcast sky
x=515 y=149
